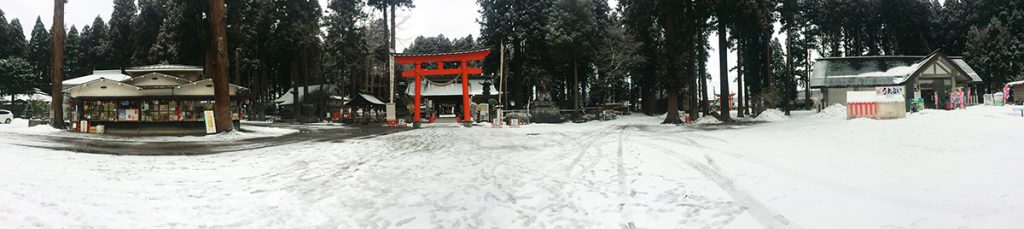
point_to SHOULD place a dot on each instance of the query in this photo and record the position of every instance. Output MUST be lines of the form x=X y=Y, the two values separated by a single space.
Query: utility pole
x=222 y=99
x=391 y=110
x=501 y=79
x=57 y=96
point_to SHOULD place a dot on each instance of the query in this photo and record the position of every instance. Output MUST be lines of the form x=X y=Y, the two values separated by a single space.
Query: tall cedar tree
x=57 y=98
x=18 y=46
x=573 y=31
x=39 y=53
x=121 y=33
x=640 y=20
x=222 y=104
x=521 y=27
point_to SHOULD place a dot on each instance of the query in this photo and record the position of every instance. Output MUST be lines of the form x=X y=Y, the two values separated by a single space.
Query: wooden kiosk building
x=146 y=101
x=931 y=78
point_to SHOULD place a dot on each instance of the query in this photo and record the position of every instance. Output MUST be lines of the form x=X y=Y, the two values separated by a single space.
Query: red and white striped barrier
x=862 y=110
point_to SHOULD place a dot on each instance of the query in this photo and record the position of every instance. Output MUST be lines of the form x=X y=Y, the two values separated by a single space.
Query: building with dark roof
x=927 y=77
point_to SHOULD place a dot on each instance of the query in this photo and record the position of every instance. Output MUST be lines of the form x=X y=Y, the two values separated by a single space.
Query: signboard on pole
x=485 y=113
x=211 y=127
x=391 y=113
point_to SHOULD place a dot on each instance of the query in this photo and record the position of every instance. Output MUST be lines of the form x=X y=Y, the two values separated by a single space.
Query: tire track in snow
x=760 y=212
x=625 y=213
x=595 y=137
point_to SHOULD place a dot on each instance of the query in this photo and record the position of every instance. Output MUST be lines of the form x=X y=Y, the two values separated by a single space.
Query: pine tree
x=148 y=25
x=573 y=30
x=17 y=45
x=97 y=41
x=73 y=62
x=640 y=20
x=167 y=45
x=4 y=36
x=39 y=55
x=120 y=33
x=18 y=77
x=344 y=32
x=520 y=26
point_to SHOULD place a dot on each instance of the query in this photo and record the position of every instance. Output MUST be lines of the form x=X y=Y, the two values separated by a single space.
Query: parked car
x=6 y=116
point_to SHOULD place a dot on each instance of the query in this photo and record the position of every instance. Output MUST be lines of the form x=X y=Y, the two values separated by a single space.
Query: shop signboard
x=211 y=127
x=890 y=92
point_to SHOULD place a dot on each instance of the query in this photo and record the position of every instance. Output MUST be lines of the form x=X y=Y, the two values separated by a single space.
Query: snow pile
x=20 y=126
x=835 y=111
x=771 y=115
x=707 y=120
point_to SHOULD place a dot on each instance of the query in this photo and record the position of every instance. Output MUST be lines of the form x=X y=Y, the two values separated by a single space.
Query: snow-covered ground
x=937 y=169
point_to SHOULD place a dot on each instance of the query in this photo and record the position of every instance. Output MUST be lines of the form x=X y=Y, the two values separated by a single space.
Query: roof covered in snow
x=165 y=67
x=114 y=75
x=968 y=69
x=869 y=71
x=455 y=89
x=37 y=95
x=364 y=100
x=314 y=90
x=108 y=84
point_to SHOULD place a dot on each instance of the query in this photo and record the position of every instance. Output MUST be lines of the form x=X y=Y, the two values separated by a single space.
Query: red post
x=416 y=110
x=465 y=92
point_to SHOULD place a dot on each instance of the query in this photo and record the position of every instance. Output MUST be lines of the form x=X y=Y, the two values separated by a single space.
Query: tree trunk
x=305 y=78
x=294 y=72
x=807 y=79
x=790 y=86
x=222 y=105
x=57 y=96
x=701 y=70
x=575 y=86
x=723 y=70
x=742 y=105
x=672 y=116
x=647 y=95
x=690 y=76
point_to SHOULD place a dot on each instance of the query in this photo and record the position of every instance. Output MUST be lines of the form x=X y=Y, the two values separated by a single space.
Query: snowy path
x=814 y=172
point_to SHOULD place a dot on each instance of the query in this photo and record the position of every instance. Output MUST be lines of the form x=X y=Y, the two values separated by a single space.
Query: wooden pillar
x=465 y=94
x=416 y=110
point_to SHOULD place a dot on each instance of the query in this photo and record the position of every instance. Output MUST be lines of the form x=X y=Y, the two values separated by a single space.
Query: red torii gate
x=463 y=58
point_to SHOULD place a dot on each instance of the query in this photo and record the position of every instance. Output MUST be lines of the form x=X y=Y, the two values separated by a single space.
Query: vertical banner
x=211 y=126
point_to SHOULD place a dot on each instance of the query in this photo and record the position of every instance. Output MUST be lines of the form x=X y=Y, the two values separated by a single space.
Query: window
x=160 y=111
x=4 y=112
x=193 y=111
x=97 y=110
